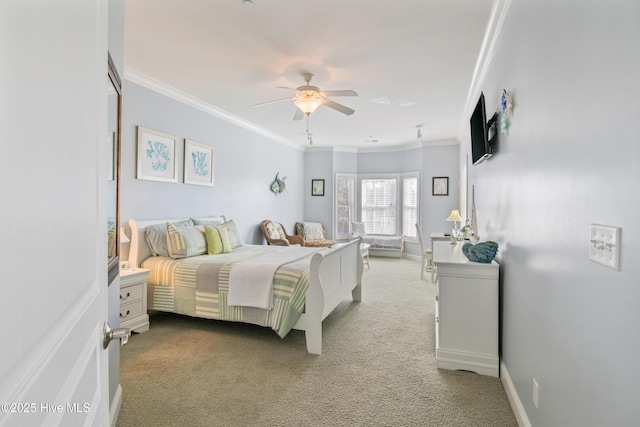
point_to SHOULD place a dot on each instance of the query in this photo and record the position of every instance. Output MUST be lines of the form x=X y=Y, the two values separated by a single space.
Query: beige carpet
x=377 y=368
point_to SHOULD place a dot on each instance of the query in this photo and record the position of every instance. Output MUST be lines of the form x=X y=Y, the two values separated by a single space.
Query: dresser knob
x=125 y=297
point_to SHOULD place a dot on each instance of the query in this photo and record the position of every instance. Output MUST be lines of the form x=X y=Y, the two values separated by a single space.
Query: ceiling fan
x=308 y=98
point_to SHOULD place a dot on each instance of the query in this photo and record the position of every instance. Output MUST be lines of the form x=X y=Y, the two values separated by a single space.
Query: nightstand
x=133 y=299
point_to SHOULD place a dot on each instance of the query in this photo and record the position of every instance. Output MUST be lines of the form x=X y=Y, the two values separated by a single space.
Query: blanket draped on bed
x=199 y=286
x=251 y=280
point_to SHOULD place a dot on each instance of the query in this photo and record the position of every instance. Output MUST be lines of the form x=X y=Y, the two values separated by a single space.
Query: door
x=53 y=233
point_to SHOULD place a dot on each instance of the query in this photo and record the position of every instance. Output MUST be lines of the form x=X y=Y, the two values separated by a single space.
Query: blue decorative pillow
x=209 y=222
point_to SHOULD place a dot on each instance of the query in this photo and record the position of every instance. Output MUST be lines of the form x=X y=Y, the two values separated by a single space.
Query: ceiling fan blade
x=340 y=93
x=285 y=87
x=298 y=115
x=338 y=107
x=272 y=102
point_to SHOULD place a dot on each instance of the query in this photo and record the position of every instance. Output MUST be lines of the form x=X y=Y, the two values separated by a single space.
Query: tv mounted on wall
x=482 y=143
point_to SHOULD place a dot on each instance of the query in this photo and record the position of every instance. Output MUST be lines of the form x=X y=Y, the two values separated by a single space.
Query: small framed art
x=198 y=163
x=440 y=186
x=156 y=156
x=317 y=187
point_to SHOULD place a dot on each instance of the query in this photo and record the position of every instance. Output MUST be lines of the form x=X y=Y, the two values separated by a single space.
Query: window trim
x=354 y=209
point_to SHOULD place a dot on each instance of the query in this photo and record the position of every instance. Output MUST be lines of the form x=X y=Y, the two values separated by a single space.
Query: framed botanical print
x=440 y=186
x=156 y=156
x=198 y=163
x=317 y=187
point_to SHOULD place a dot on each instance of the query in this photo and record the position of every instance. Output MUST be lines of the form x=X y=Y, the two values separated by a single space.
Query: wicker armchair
x=275 y=234
x=315 y=235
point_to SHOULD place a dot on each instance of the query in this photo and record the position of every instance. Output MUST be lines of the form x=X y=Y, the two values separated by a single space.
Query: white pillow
x=234 y=235
x=312 y=231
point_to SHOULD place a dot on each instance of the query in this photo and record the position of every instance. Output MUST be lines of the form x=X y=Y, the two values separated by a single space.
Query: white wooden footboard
x=333 y=275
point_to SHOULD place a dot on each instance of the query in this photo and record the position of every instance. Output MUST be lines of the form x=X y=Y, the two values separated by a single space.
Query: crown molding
x=412 y=146
x=150 y=83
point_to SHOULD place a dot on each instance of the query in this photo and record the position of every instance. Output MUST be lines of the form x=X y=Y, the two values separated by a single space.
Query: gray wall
x=429 y=160
x=245 y=166
x=570 y=159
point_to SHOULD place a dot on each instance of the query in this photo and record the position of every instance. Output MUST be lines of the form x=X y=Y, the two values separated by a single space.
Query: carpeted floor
x=377 y=368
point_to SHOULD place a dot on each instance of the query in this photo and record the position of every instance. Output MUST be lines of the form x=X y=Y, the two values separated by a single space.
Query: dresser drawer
x=131 y=293
x=131 y=311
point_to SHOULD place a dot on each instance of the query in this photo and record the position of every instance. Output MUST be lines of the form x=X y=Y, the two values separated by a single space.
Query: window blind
x=409 y=205
x=379 y=205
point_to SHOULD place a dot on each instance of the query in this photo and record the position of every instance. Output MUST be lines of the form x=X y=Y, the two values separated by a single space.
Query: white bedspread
x=251 y=280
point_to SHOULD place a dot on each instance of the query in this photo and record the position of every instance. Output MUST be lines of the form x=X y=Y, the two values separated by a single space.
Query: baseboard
x=514 y=399
x=114 y=409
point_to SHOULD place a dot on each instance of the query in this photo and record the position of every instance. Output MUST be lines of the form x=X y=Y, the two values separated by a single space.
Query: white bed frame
x=332 y=276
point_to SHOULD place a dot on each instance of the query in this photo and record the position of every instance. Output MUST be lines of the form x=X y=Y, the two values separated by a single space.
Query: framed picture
x=198 y=163
x=440 y=186
x=156 y=156
x=317 y=187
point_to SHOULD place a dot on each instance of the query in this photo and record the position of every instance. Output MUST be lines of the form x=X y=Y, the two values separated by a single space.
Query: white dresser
x=133 y=299
x=467 y=306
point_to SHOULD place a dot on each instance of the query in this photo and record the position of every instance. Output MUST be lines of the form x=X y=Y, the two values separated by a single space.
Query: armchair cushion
x=274 y=231
x=275 y=234
x=314 y=234
x=312 y=231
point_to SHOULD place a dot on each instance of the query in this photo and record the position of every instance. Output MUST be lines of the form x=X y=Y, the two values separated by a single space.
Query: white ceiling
x=410 y=61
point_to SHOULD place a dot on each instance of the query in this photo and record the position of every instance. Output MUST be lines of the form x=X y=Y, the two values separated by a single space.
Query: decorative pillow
x=217 y=240
x=312 y=231
x=234 y=234
x=187 y=241
x=357 y=229
x=209 y=222
x=274 y=230
x=156 y=237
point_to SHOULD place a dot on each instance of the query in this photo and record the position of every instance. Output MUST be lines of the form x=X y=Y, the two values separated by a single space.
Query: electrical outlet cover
x=604 y=245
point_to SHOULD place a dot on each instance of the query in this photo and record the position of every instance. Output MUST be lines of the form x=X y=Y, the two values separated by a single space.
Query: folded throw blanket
x=251 y=280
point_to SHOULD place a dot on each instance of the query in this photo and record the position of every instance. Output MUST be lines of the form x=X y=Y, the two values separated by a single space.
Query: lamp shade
x=308 y=104
x=454 y=216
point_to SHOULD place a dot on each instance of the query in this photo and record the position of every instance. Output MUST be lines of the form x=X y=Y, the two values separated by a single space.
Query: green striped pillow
x=184 y=242
x=217 y=240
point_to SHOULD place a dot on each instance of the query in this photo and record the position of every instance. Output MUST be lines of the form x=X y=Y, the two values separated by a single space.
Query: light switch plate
x=604 y=245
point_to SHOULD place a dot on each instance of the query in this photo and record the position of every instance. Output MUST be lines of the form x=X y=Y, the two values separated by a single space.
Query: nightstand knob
x=125 y=297
x=128 y=312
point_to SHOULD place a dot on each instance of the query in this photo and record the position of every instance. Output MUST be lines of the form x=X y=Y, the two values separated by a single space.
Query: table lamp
x=455 y=217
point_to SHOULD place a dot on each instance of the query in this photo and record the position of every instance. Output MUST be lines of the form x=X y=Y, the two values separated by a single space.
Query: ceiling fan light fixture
x=308 y=104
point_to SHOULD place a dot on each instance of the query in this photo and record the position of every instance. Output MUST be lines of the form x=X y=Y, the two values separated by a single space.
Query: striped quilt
x=199 y=286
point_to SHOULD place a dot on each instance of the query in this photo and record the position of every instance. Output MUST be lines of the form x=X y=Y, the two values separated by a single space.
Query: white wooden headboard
x=138 y=250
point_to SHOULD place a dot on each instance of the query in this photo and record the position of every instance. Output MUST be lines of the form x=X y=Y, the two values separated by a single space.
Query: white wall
x=570 y=159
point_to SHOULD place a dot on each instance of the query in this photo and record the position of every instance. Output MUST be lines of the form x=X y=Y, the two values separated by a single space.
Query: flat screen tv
x=480 y=146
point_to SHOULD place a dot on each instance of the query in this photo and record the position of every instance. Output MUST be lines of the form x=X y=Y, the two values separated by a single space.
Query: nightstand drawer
x=131 y=311
x=130 y=293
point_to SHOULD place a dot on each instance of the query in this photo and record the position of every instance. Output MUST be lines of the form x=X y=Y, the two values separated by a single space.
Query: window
x=409 y=204
x=379 y=207
x=345 y=204
x=387 y=204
